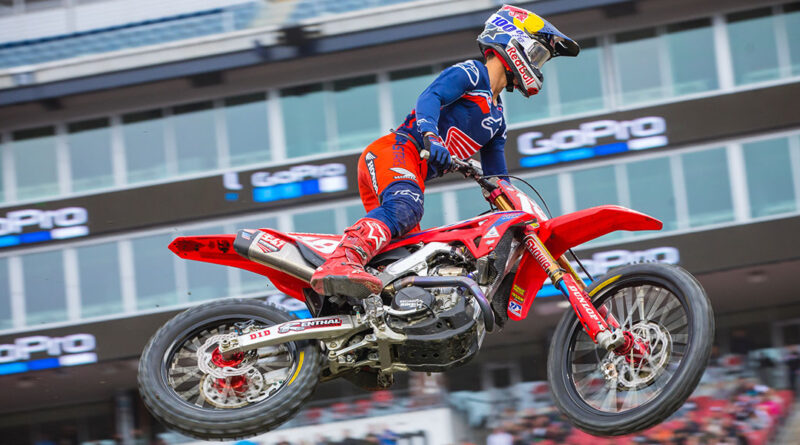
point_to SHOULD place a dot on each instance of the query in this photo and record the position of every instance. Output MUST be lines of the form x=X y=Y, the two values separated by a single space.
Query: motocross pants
x=391 y=183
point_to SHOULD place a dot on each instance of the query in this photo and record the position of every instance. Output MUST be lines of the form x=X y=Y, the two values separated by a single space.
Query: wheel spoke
x=656 y=318
x=199 y=378
x=610 y=400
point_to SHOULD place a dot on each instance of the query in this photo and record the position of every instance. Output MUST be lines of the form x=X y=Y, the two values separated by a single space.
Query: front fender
x=564 y=232
x=576 y=228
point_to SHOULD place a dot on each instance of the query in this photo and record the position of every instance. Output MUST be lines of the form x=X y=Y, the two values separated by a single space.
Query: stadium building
x=125 y=124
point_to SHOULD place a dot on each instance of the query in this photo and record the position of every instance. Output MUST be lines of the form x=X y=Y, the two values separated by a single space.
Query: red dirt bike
x=628 y=355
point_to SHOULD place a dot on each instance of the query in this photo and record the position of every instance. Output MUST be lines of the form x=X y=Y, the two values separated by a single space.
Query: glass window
x=206 y=280
x=651 y=191
x=5 y=296
x=90 y=155
x=707 y=187
x=34 y=154
x=792 y=20
x=547 y=186
x=753 y=47
x=2 y=190
x=304 y=120
x=248 y=129
x=580 y=83
x=354 y=213
x=406 y=86
x=469 y=202
x=155 y=272
x=434 y=211
x=692 y=57
x=100 y=280
x=594 y=187
x=637 y=58
x=519 y=108
x=253 y=282
x=315 y=221
x=143 y=134
x=769 y=177
x=45 y=299
x=355 y=102
x=195 y=137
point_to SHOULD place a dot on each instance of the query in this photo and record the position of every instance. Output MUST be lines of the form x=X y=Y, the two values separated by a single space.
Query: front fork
x=599 y=324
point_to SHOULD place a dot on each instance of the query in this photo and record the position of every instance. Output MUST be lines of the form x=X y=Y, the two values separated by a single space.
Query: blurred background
x=124 y=124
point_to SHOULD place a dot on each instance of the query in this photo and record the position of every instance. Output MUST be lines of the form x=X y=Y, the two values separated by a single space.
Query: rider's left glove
x=439 y=161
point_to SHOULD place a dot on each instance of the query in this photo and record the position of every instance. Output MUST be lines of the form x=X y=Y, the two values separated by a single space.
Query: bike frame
x=544 y=242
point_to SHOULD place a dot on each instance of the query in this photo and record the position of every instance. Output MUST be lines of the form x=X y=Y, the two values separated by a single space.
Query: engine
x=441 y=325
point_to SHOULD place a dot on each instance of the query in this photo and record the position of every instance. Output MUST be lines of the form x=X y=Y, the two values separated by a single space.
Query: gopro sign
x=19 y=220
x=602 y=262
x=294 y=182
x=28 y=226
x=591 y=139
x=42 y=352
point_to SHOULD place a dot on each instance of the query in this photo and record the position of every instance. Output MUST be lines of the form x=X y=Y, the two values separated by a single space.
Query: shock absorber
x=592 y=321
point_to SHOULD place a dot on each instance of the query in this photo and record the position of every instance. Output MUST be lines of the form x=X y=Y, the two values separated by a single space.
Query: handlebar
x=469 y=167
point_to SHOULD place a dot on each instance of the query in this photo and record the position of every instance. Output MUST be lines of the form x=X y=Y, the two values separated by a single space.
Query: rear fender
x=564 y=232
x=218 y=249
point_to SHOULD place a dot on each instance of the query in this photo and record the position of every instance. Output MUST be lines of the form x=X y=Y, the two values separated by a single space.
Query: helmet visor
x=537 y=53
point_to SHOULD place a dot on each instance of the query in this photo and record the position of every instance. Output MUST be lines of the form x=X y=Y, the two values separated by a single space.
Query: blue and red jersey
x=458 y=107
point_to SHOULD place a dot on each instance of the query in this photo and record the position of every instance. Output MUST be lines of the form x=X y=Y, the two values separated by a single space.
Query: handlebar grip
x=424 y=154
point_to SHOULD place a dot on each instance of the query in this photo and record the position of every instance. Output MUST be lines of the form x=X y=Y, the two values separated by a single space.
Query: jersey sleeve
x=448 y=87
x=493 y=158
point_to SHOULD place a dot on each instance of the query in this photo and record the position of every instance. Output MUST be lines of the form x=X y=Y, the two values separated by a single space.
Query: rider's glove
x=439 y=160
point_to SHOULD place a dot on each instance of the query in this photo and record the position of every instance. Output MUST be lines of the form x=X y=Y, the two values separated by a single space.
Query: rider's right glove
x=439 y=160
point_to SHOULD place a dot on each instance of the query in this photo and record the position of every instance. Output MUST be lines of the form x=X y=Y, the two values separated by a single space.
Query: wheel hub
x=640 y=360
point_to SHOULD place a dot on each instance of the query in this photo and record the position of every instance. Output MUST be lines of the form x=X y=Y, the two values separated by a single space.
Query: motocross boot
x=343 y=273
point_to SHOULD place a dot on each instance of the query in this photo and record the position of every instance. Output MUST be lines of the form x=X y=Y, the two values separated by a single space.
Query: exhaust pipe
x=463 y=282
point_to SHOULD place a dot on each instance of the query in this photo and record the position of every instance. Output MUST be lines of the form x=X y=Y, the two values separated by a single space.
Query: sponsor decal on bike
x=592 y=139
x=303 y=325
x=518 y=294
x=587 y=306
x=370 y=160
x=294 y=182
x=26 y=353
x=259 y=334
x=324 y=245
x=28 y=226
x=270 y=243
x=492 y=233
x=515 y=308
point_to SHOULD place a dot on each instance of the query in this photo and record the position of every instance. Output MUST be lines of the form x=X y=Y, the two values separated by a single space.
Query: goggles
x=537 y=53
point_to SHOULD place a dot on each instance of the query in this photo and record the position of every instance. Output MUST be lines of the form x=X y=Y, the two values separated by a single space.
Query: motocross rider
x=459 y=114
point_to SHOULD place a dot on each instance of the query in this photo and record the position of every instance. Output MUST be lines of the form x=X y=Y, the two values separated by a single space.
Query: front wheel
x=190 y=387
x=607 y=394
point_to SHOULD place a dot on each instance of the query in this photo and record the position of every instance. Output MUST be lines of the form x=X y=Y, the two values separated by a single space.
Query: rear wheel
x=190 y=387
x=663 y=308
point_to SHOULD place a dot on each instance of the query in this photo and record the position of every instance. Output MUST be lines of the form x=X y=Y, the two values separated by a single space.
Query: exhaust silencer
x=273 y=252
